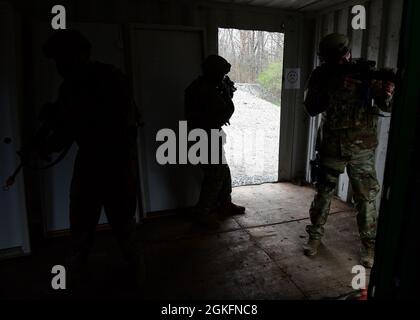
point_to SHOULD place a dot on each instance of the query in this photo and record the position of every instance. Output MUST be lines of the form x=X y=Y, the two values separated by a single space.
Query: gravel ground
x=252 y=139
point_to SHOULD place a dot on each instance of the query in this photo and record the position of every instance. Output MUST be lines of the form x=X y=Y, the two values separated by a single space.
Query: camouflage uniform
x=347 y=139
x=209 y=106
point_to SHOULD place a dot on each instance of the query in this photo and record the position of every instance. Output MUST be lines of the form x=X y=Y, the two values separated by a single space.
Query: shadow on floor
x=255 y=256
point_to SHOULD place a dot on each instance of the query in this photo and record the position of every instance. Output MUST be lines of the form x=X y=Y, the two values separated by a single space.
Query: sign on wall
x=292 y=78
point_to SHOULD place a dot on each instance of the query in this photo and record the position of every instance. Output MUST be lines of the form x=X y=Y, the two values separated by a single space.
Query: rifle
x=229 y=86
x=48 y=117
x=363 y=71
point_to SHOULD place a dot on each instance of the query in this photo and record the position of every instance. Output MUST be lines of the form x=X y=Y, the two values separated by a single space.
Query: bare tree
x=250 y=52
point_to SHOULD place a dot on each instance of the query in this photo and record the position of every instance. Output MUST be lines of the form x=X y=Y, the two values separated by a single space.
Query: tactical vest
x=349 y=119
x=346 y=110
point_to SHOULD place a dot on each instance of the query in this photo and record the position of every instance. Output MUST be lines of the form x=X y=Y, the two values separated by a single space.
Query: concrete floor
x=255 y=256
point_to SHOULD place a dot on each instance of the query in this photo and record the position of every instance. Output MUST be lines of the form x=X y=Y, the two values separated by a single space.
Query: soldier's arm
x=316 y=95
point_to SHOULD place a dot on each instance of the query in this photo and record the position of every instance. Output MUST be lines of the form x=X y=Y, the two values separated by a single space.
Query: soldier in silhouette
x=95 y=110
x=209 y=105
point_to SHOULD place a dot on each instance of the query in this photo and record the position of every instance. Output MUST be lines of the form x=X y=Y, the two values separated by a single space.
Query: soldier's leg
x=120 y=207
x=224 y=177
x=365 y=187
x=85 y=210
x=362 y=174
x=227 y=207
x=120 y=211
x=320 y=207
x=226 y=187
x=204 y=213
x=211 y=186
x=325 y=188
x=120 y=202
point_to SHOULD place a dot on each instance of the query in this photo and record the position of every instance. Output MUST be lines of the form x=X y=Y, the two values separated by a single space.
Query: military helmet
x=215 y=64
x=66 y=41
x=333 y=45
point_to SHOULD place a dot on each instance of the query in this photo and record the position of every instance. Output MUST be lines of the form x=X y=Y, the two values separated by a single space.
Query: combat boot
x=311 y=247
x=231 y=209
x=367 y=256
x=133 y=250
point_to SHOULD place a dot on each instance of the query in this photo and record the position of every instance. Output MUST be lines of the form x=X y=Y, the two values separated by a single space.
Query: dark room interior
x=103 y=196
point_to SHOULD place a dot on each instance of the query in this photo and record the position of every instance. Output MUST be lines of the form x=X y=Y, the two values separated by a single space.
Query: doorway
x=252 y=145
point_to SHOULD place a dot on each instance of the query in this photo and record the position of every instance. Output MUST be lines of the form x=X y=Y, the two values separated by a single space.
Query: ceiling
x=297 y=5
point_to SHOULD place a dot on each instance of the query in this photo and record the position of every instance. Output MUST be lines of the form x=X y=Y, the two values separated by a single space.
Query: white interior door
x=165 y=60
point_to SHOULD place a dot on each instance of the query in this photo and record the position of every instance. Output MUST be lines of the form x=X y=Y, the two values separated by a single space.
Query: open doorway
x=252 y=146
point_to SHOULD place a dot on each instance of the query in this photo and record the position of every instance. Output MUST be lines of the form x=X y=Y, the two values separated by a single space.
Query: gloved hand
x=383 y=89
